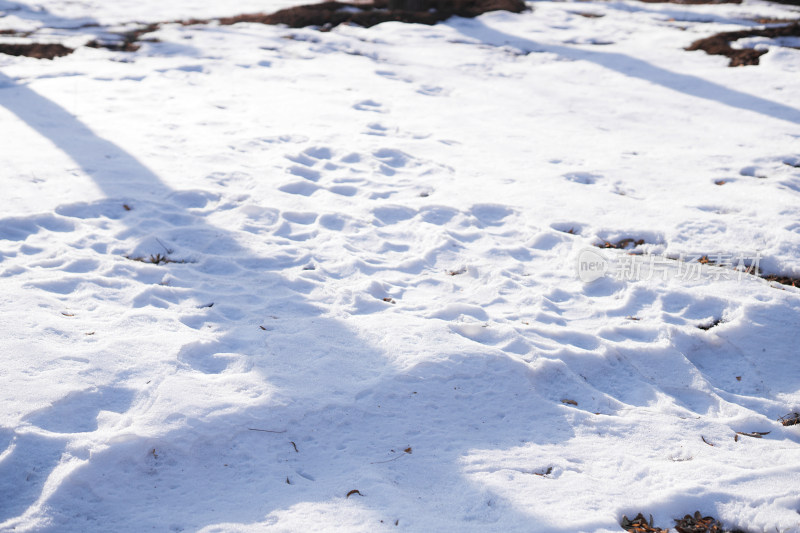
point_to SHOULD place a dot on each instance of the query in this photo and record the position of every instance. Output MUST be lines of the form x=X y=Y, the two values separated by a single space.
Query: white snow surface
x=73 y=13
x=376 y=234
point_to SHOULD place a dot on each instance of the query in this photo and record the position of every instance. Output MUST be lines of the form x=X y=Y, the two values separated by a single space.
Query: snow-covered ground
x=73 y=13
x=376 y=234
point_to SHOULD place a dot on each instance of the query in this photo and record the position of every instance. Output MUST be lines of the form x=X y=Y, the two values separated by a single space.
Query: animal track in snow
x=393 y=76
x=585 y=178
x=431 y=90
x=370 y=105
x=299 y=187
x=304 y=172
x=353 y=174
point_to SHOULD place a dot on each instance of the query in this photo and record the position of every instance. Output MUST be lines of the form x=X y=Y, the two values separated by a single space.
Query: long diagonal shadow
x=637 y=68
x=113 y=169
x=325 y=376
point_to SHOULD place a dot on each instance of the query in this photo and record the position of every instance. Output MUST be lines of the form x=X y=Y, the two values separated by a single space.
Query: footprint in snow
x=491 y=214
x=585 y=178
x=343 y=190
x=388 y=74
x=311 y=156
x=377 y=129
x=392 y=214
x=300 y=188
x=431 y=90
x=304 y=172
x=754 y=171
x=300 y=218
x=369 y=105
x=438 y=215
x=392 y=158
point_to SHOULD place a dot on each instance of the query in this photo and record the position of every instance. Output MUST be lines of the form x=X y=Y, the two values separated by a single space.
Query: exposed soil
x=720 y=44
x=36 y=50
x=124 y=42
x=754 y=271
x=157 y=259
x=329 y=14
x=325 y=16
x=640 y=524
x=623 y=244
x=714 y=323
x=783 y=280
x=691 y=2
x=696 y=523
x=771 y=20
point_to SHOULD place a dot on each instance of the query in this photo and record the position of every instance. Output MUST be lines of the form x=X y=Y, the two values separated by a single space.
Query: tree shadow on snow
x=400 y=440
x=26 y=11
x=636 y=68
x=32 y=457
x=329 y=412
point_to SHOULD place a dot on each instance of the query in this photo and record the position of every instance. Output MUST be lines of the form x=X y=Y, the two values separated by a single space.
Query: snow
x=375 y=235
x=60 y=14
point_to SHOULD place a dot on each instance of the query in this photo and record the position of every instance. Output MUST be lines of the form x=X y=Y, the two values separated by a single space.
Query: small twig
x=406 y=451
x=169 y=252
x=295 y=446
x=387 y=461
x=754 y=434
x=156 y=259
x=704 y=440
x=267 y=430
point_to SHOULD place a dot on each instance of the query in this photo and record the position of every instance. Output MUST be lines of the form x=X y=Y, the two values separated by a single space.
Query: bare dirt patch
x=696 y=523
x=126 y=41
x=325 y=16
x=720 y=44
x=35 y=50
x=623 y=244
x=330 y=14
x=691 y=2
